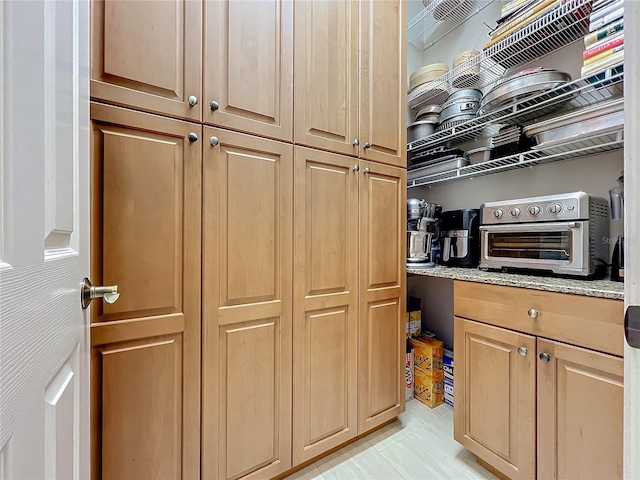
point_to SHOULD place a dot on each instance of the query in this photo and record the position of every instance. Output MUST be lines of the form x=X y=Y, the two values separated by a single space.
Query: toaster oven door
x=553 y=246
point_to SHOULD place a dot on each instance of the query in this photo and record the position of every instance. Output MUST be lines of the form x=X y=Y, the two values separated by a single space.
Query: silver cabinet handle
x=355 y=143
x=523 y=351
x=193 y=100
x=88 y=292
x=366 y=170
x=533 y=313
x=192 y=137
x=214 y=105
x=356 y=168
x=214 y=141
x=545 y=357
x=367 y=146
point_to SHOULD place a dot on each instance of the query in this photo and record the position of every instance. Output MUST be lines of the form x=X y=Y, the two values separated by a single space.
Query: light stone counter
x=591 y=288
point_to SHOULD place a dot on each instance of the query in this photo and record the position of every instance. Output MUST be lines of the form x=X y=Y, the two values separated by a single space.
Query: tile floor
x=419 y=445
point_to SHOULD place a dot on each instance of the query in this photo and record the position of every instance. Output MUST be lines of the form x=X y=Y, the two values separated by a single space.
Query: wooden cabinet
x=495 y=396
x=248 y=66
x=383 y=84
x=580 y=412
x=246 y=315
x=350 y=78
x=148 y=55
x=382 y=294
x=145 y=238
x=548 y=409
x=325 y=302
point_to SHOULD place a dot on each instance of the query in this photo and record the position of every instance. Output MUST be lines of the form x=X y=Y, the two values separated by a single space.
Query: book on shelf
x=603 y=12
x=603 y=55
x=524 y=19
x=600 y=4
x=609 y=61
x=606 y=44
x=606 y=20
x=512 y=5
x=603 y=33
x=508 y=15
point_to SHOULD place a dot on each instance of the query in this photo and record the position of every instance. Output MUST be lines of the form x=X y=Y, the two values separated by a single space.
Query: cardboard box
x=448 y=400
x=414 y=324
x=447 y=364
x=428 y=390
x=448 y=389
x=408 y=376
x=427 y=356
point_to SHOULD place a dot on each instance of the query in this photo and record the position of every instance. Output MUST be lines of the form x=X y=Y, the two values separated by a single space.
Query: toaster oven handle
x=534 y=227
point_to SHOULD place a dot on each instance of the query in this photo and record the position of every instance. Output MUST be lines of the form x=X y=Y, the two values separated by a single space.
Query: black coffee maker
x=460 y=238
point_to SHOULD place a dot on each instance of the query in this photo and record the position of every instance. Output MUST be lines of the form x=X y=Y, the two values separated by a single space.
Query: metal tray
x=574 y=116
x=579 y=131
x=437 y=168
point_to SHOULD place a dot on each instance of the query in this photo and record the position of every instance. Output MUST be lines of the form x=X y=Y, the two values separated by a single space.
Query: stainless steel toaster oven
x=564 y=234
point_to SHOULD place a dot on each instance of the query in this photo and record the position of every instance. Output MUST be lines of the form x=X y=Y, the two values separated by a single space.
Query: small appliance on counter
x=460 y=240
x=563 y=234
x=616 y=195
x=422 y=232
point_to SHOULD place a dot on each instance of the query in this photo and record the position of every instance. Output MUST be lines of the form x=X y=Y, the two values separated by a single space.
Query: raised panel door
x=246 y=316
x=382 y=292
x=580 y=413
x=145 y=237
x=495 y=392
x=325 y=307
x=326 y=75
x=148 y=55
x=248 y=66
x=383 y=89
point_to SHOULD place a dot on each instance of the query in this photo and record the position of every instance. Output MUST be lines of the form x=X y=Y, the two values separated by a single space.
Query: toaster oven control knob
x=534 y=210
x=555 y=209
x=515 y=212
x=498 y=213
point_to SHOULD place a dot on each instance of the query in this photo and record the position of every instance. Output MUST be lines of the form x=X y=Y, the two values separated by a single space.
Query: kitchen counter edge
x=591 y=288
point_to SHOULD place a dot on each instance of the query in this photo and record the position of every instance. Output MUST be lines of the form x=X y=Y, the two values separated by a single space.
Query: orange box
x=427 y=356
x=428 y=390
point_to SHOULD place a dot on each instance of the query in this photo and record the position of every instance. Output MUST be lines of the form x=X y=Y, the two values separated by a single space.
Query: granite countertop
x=592 y=288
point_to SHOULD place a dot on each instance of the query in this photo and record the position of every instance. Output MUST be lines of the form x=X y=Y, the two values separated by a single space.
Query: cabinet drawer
x=595 y=323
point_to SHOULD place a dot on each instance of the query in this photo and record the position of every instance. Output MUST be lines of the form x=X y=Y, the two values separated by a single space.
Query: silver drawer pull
x=523 y=351
x=533 y=313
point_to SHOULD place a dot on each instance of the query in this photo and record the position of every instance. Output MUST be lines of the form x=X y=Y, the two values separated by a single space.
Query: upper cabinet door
x=381 y=331
x=148 y=55
x=248 y=66
x=383 y=89
x=326 y=75
x=580 y=412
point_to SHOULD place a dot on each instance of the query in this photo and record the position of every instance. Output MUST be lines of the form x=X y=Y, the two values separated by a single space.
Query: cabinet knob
x=523 y=351
x=214 y=105
x=533 y=313
x=355 y=143
x=214 y=141
x=193 y=100
x=356 y=168
x=367 y=146
x=192 y=137
x=366 y=170
x=545 y=357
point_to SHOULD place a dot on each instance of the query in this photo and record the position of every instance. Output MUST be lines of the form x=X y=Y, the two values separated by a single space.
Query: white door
x=44 y=239
x=632 y=233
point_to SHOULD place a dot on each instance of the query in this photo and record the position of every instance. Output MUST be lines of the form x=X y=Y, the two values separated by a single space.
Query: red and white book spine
x=613 y=43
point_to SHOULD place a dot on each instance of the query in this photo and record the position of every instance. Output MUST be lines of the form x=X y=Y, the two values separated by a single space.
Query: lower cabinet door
x=325 y=302
x=495 y=392
x=580 y=412
x=382 y=276
x=246 y=309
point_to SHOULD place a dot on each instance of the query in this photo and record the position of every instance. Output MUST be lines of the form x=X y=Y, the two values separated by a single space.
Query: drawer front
x=595 y=323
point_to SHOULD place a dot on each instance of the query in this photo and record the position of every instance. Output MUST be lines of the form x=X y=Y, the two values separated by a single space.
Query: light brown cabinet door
x=383 y=89
x=248 y=66
x=495 y=392
x=148 y=55
x=382 y=297
x=326 y=75
x=580 y=413
x=325 y=306
x=246 y=317
x=145 y=238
